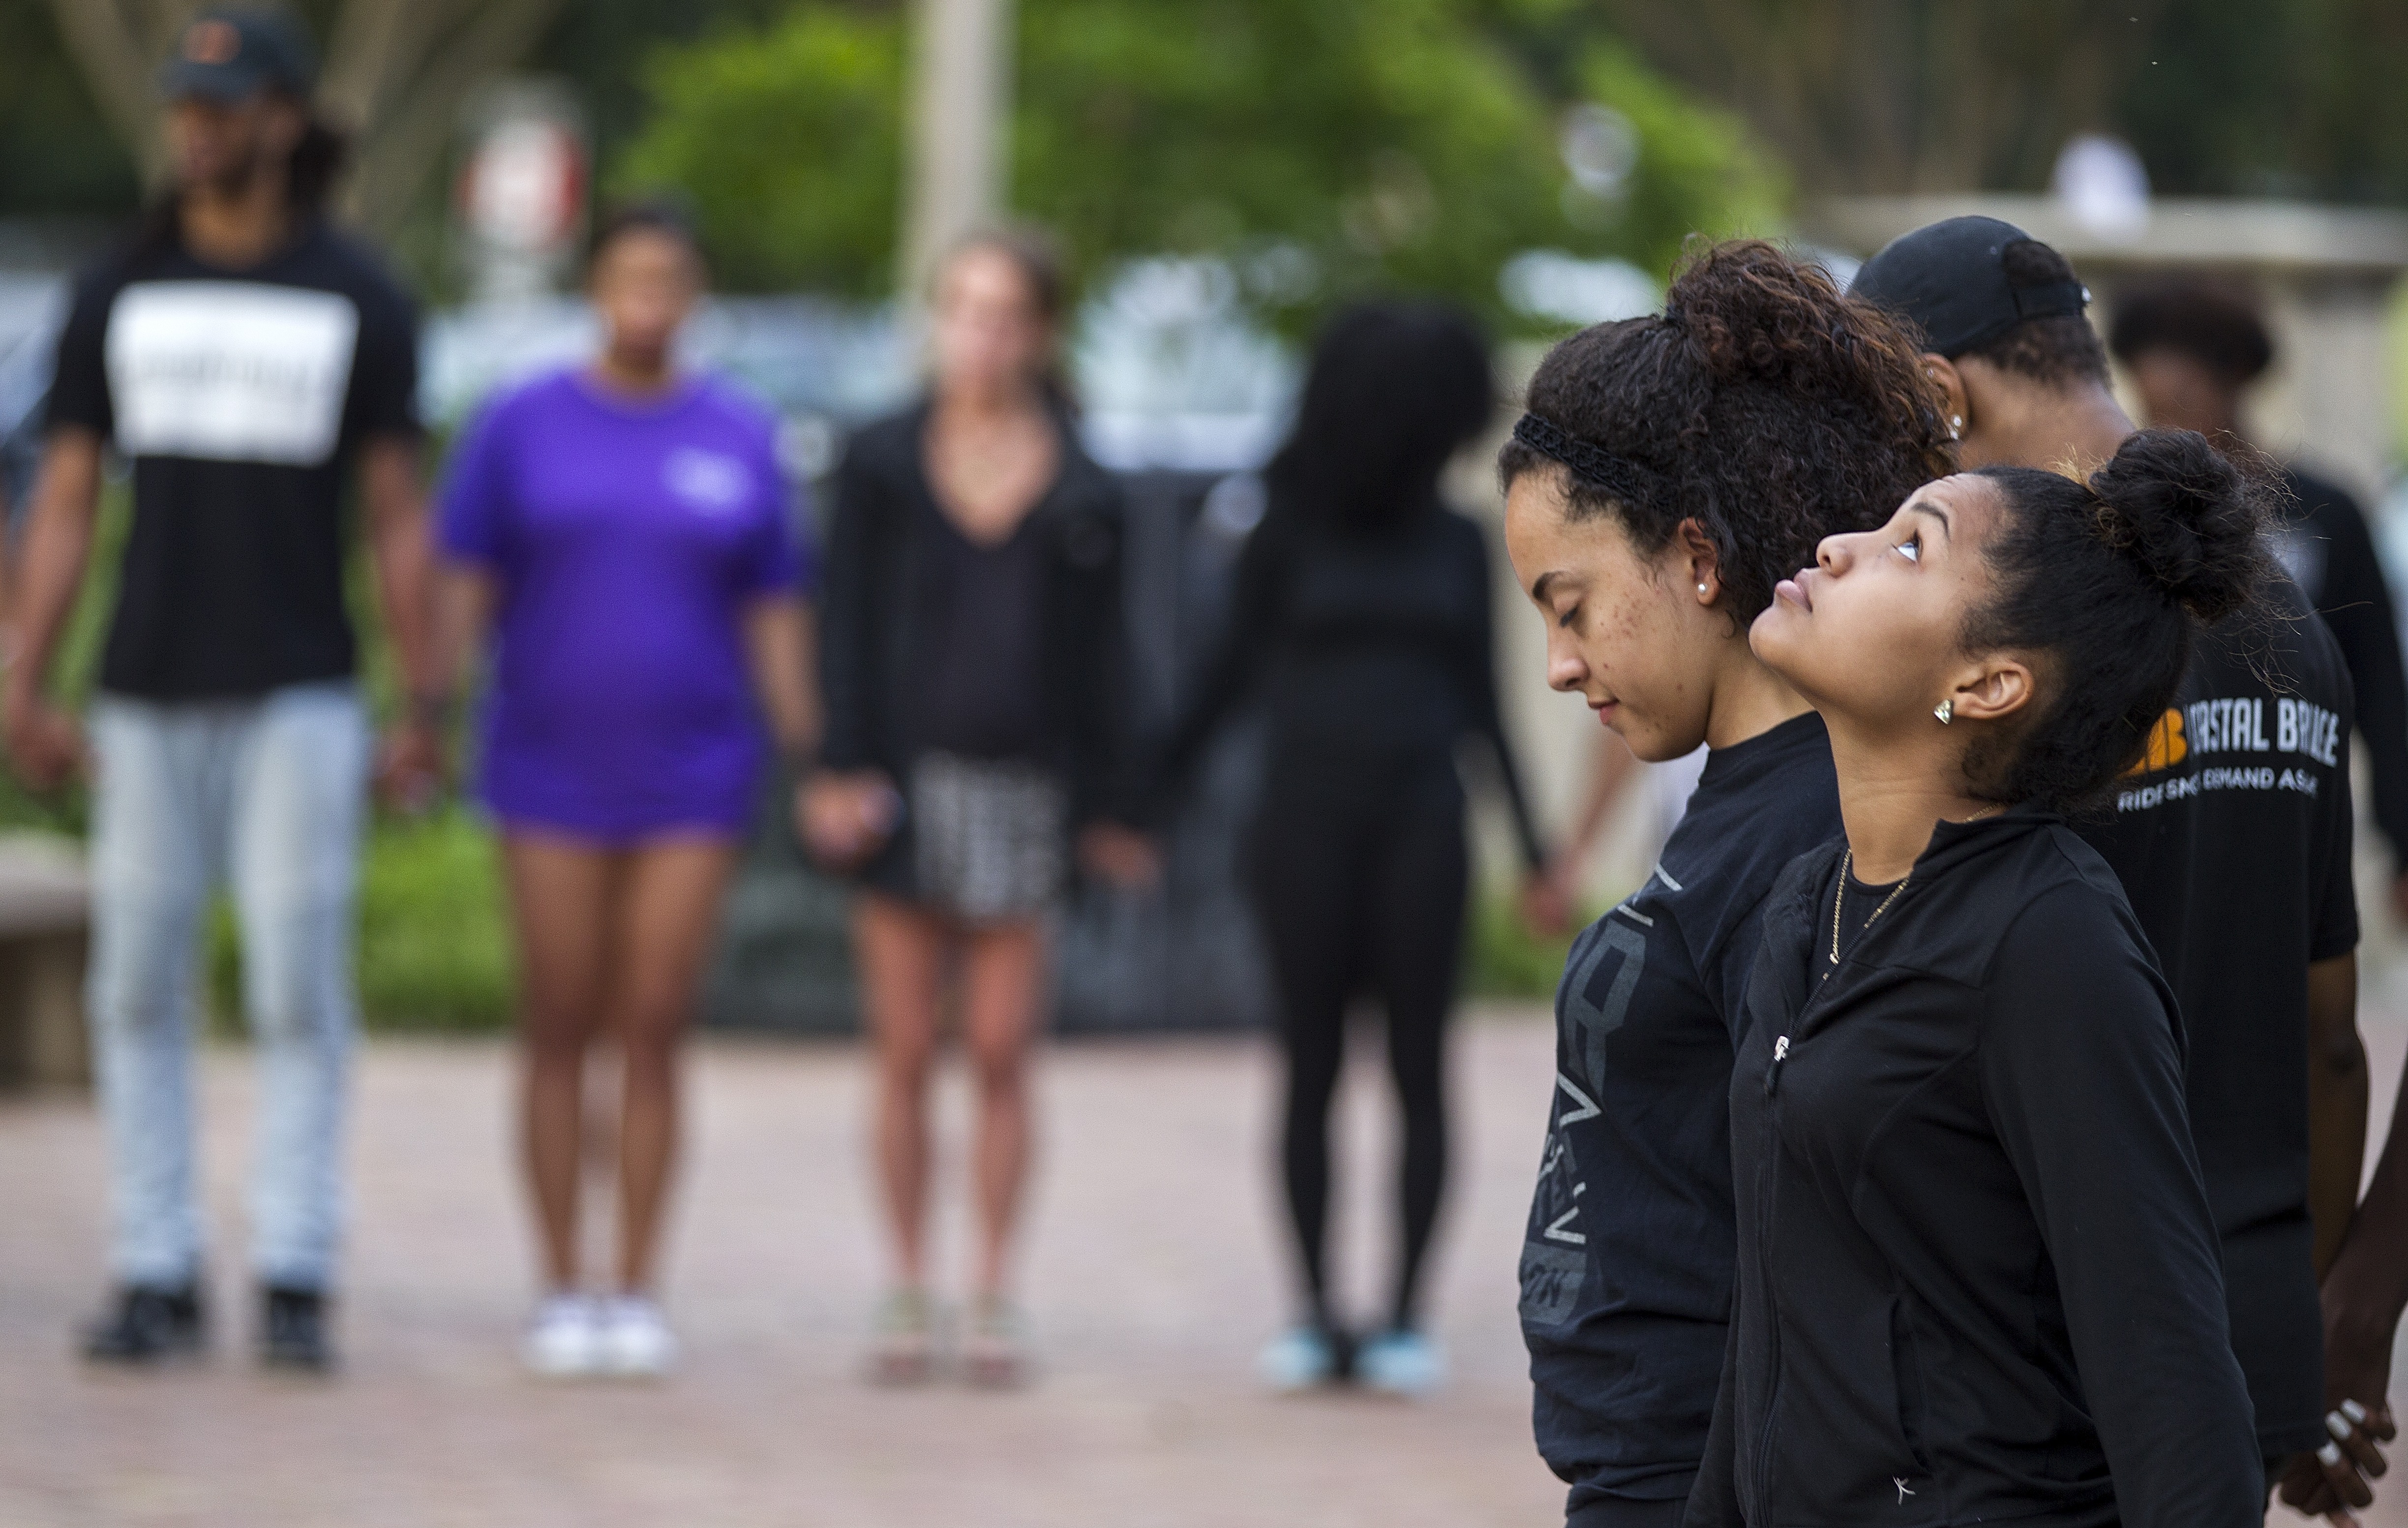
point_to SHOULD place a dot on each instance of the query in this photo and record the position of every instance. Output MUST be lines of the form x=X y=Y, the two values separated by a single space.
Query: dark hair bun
x=1755 y=313
x=2191 y=518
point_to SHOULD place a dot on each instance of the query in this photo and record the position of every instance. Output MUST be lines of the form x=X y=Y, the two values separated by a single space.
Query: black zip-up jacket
x=1977 y=1275
x=868 y=618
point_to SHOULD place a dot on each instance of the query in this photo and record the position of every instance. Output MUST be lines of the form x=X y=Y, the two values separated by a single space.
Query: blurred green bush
x=433 y=933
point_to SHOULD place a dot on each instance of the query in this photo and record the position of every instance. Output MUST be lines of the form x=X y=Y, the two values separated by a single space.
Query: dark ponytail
x=1764 y=404
x=2110 y=580
x=316 y=164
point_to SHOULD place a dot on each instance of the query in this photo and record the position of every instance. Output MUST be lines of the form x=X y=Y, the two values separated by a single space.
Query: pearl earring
x=1956 y=426
x=1945 y=709
x=1701 y=588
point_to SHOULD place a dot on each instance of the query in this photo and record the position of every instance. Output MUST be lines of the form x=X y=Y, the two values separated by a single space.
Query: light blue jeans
x=266 y=796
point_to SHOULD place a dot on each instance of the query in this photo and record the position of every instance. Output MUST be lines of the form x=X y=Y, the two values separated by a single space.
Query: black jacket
x=868 y=611
x=2328 y=547
x=1977 y=1276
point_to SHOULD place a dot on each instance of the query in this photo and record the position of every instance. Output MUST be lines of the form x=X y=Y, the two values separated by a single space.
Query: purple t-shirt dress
x=628 y=540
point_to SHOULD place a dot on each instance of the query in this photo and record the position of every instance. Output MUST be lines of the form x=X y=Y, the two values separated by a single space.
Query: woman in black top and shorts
x=1978 y=1280
x=970 y=671
x=1362 y=614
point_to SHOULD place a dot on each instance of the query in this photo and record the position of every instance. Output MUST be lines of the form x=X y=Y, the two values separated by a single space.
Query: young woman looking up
x=1668 y=472
x=1978 y=1275
x=621 y=528
x=975 y=717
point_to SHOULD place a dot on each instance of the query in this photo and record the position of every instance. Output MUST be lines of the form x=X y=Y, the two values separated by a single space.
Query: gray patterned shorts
x=987 y=836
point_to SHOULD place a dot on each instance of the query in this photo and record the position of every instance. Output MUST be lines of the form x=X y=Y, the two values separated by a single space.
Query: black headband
x=1630 y=482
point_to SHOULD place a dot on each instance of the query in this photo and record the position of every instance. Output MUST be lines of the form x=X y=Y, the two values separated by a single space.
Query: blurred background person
x=2193 y=348
x=974 y=677
x=1614 y=773
x=621 y=528
x=251 y=362
x=1362 y=616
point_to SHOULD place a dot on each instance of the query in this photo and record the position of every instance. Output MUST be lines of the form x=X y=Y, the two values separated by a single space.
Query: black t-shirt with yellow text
x=2232 y=841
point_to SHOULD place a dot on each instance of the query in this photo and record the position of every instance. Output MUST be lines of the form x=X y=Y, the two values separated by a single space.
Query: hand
x=1547 y=901
x=1119 y=856
x=845 y=817
x=2338 y=1475
x=409 y=767
x=44 y=743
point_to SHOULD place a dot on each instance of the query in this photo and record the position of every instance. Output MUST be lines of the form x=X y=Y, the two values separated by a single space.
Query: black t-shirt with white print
x=240 y=396
x=1626 y=1260
x=2232 y=841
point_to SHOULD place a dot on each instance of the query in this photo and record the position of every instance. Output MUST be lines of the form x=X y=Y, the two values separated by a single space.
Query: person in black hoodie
x=1362 y=619
x=1669 y=470
x=1978 y=1277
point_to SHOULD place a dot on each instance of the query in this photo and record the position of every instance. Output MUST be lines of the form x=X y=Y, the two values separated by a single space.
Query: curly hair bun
x=1754 y=312
x=2189 y=516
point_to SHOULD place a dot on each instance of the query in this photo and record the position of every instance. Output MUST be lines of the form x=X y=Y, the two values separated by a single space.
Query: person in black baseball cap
x=257 y=368
x=2005 y=338
x=248 y=156
x=2267 y=982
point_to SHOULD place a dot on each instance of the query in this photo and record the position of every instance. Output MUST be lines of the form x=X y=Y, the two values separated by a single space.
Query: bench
x=45 y=923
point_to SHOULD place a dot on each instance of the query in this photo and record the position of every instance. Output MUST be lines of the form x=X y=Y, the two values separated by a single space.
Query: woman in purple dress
x=620 y=534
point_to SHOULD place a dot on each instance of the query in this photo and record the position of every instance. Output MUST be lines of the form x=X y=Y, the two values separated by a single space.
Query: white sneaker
x=563 y=1342
x=1399 y=1362
x=635 y=1338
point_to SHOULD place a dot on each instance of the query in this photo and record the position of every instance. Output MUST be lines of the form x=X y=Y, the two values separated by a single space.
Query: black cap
x=231 y=55
x=1949 y=278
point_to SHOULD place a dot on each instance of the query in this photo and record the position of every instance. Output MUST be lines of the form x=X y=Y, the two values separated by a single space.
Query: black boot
x=150 y=1324
x=293 y=1330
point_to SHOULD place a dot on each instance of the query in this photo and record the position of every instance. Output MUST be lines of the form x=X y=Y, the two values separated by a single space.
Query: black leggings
x=1359 y=881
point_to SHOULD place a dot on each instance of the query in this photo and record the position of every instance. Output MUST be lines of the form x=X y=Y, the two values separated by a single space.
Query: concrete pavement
x=1154 y=1272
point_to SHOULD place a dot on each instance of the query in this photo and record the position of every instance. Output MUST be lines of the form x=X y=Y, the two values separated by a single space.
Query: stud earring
x=1701 y=588
x=1945 y=709
x=1956 y=426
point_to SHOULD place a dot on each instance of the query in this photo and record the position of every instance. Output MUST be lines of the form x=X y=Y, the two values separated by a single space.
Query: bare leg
x=559 y=893
x=899 y=952
x=666 y=914
x=1003 y=986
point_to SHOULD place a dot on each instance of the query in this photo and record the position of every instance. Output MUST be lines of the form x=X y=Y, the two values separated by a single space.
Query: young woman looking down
x=1668 y=471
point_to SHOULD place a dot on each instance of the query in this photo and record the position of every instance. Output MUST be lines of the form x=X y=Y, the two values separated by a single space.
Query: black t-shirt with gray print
x=2232 y=841
x=1627 y=1262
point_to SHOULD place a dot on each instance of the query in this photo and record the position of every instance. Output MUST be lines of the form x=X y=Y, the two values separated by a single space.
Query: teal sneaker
x=1399 y=1362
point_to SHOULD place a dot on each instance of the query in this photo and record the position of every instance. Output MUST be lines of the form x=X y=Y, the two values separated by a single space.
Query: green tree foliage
x=1327 y=149
x=788 y=141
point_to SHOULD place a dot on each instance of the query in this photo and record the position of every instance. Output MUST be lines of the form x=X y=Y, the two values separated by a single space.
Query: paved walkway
x=1154 y=1273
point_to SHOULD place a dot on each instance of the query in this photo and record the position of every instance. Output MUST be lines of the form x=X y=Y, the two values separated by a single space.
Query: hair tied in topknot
x=2187 y=515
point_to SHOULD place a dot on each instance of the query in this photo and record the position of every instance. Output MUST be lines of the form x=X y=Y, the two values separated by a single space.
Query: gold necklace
x=1839 y=896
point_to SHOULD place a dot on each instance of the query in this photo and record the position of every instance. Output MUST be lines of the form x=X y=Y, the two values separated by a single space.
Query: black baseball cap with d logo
x=232 y=55
x=1950 y=280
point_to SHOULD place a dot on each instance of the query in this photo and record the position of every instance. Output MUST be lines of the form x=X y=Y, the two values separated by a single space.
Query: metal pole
x=960 y=129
